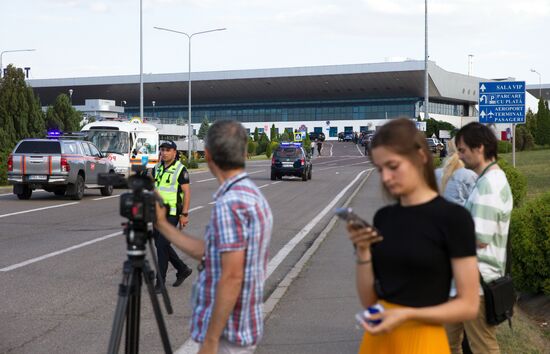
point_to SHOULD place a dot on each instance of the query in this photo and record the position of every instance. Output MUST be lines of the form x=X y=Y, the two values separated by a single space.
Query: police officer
x=172 y=183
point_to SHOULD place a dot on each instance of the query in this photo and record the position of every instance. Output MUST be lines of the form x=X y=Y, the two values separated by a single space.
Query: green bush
x=3 y=167
x=262 y=144
x=504 y=147
x=530 y=246
x=252 y=147
x=193 y=164
x=517 y=181
x=268 y=151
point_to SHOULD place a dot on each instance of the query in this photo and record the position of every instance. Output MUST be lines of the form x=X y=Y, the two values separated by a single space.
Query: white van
x=125 y=143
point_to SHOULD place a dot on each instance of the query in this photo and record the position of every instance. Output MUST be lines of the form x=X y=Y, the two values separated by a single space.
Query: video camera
x=139 y=204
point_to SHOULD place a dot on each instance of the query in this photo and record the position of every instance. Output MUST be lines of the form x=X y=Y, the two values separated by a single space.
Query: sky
x=81 y=38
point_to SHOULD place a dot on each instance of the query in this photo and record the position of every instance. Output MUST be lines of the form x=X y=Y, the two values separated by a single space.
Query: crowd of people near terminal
x=419 y=265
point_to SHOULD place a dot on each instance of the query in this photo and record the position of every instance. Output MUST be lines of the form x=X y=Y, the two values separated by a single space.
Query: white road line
x=206 y=180
x=34 y=191
x=252 y=173
x=190 y=346
x=196 y=208
x=109 y=197
x=275 y=182
x=212 y=203
x=38 y=209
x=56 y=253
x=265 y=185
x=359 y=163
x=283 y=252
x=357 y=146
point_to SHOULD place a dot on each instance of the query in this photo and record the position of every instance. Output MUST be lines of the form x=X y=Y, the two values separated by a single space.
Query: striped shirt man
x=241 y=220
x=490 y=204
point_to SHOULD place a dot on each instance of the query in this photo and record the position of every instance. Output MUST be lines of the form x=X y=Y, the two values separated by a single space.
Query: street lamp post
x=11 y=51
x=426 y=80
x=153 y=102
x=190 y=36
x=470 y=56
x=540 y=81
x=71 y=96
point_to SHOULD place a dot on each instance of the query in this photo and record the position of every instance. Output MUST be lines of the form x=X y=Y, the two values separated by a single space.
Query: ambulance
x=125 y=143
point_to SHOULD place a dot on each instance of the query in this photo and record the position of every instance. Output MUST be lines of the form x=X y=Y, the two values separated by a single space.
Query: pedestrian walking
x=490 y=204
x=417 y=245
x=319 y=147
x=228 y=293
x=172 y=183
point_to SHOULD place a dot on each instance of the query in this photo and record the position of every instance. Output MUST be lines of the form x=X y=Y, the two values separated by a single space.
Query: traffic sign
x=502 y=102
x=299 y=136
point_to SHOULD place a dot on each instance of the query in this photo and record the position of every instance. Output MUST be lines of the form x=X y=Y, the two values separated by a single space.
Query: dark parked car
x=290 y=159
x=315 y=135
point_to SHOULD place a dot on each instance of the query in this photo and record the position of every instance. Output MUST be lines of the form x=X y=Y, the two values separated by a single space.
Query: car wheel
x=273 y=176
x=26 y=194
x=304 y=176
x=59 y=191
x=309 y=174
x=107 y=190
x=78 y=188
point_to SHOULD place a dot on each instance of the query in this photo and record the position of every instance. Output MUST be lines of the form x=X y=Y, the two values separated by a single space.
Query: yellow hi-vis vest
x=167 y=184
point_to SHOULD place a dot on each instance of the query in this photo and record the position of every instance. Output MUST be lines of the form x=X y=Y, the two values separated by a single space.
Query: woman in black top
x=406 y=262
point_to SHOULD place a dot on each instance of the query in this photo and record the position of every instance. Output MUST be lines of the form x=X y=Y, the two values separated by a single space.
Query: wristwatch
x=184 y=214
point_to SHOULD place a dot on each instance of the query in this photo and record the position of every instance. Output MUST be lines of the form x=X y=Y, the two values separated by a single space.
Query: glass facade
x=301 y=110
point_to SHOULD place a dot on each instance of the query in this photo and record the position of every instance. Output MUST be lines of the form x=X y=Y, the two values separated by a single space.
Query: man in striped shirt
x=490 y=204
x=228 y=293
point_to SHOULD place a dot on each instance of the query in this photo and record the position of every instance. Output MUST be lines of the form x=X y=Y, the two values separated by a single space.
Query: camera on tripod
x=139 y=204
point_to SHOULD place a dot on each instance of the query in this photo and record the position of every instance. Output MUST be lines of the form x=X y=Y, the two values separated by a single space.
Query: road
x=61 y=260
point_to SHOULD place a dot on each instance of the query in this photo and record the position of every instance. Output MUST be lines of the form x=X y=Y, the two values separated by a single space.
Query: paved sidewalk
x=317 y=313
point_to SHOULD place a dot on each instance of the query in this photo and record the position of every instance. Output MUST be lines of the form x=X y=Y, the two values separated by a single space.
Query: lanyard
x=159 y=179
x=486 y=169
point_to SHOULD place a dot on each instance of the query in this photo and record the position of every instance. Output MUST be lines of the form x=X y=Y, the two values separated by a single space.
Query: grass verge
x=535 y=165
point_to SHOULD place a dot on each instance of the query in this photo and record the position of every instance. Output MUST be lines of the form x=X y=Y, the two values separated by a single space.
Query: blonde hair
x=450 y=164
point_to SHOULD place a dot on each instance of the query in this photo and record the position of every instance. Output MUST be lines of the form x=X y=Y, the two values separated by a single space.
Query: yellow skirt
x=411 y=337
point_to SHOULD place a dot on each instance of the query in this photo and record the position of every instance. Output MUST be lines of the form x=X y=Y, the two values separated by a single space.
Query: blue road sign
x=502 y=102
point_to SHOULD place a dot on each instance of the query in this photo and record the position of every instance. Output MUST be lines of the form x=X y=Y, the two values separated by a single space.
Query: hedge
x=517 y=181
x=504 y=147
x=530 y=246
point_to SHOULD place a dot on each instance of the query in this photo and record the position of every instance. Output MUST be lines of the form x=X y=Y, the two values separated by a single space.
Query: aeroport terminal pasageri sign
x=502 y=102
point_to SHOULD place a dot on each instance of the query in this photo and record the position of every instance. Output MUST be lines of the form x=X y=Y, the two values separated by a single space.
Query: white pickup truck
x=64 y=167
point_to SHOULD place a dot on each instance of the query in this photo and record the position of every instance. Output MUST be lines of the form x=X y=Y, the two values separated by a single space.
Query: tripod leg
x=121 y=308
x=148 y=275
x=134 y=307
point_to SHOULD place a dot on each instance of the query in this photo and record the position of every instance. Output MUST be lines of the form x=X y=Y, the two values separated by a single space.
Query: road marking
x=34 y=191
x=251 y=173
x=206 y=180
x=190 y=346
x=282 y=287
x=109 y=197
x=212 y=203
x=265 y=185
x=38 y=209
x=357 y=146
x=283 y=252
x=56 y=253
x=196 y=208
x=275 y=182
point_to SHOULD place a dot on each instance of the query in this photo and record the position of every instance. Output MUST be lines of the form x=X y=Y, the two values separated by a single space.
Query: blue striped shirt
x=240 y=220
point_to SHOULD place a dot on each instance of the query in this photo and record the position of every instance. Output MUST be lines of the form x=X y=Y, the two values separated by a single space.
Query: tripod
x=129 y=292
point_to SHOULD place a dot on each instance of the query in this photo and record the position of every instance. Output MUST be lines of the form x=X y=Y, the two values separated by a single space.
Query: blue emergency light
x=54 y=133
x=291 y=144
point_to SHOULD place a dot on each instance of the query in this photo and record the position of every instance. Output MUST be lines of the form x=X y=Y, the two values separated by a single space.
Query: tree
x=256 y=136
x=434 y=126
x=307 y=144
x=62 y=115
x=523 y=140
x=204 y=128
x=542 y=135
x=273 y=133
x=531 y=122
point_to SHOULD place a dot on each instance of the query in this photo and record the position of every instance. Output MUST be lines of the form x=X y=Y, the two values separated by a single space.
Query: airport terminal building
x=332 y=99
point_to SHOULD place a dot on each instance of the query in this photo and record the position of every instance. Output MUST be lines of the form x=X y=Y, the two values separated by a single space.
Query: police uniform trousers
x=166 y=253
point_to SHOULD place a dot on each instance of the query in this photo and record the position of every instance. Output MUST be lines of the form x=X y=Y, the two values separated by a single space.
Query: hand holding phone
x=362 y=234
x=348 y=215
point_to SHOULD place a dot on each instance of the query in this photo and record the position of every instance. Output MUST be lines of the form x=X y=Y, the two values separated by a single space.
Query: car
x=434 y=145
x=348 y=136
x=317 y=135
x=290 y=159
x=62 y=167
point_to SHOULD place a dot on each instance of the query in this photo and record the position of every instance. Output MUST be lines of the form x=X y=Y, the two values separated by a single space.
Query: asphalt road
x=61 y=260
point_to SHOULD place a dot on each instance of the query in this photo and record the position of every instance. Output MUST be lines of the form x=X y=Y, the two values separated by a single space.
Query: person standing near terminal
x=490 y=204
x=172 y=183
x=406 y=262
x=228 y=293
x=454 y=180
x=319 y=146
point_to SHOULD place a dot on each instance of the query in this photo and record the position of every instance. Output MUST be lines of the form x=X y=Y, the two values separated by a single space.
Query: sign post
x=503 y=102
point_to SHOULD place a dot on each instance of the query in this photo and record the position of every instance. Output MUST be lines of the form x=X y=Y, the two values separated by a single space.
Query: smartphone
x=364 y=317
x=348 y=215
